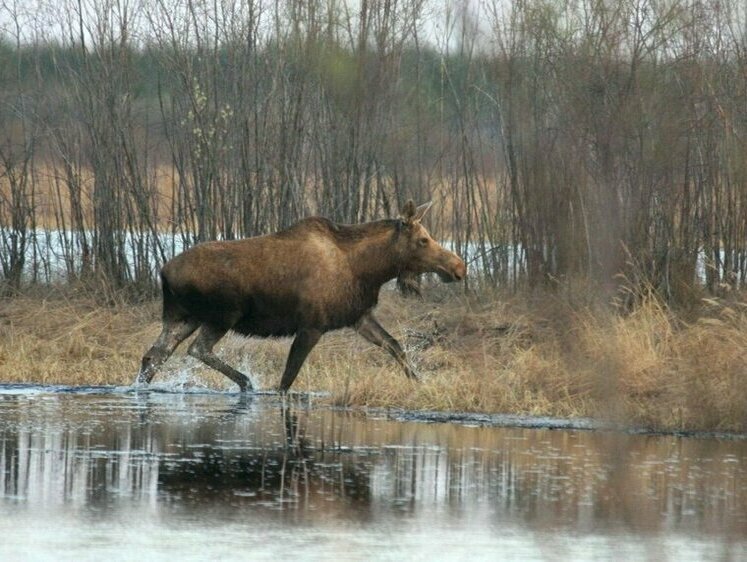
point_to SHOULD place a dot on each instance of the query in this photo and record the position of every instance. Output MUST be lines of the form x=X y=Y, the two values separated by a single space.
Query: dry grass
x=523 y=354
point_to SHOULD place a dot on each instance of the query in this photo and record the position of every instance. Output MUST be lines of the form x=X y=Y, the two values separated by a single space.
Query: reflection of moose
x=208 y=475
x=290 y=469
x=314 y=277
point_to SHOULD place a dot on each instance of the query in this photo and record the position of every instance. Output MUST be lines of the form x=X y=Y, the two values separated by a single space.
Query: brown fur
x=314 y=277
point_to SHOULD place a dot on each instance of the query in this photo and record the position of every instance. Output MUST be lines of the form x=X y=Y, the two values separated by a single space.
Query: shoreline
x=475 y=419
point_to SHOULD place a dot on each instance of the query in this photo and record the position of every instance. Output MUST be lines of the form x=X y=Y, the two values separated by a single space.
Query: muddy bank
x=540 y=422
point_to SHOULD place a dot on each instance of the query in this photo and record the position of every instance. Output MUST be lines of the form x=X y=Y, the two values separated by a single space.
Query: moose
x=314 y=277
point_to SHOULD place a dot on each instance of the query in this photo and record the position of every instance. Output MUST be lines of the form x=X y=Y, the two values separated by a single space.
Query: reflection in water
x=159 y=469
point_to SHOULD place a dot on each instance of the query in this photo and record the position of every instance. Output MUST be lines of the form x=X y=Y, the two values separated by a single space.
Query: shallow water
x=113 y=474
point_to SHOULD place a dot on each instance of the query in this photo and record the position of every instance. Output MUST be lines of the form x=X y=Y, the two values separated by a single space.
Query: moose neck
x=373 y=259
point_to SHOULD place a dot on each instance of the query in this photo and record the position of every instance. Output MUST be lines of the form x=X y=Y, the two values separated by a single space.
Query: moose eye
x=423 y=242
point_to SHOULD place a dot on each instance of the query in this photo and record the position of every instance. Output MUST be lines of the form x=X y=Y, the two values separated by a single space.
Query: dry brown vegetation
x=530 y=353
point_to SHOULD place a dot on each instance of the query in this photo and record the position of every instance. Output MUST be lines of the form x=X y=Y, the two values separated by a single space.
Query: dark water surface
x=106 y=474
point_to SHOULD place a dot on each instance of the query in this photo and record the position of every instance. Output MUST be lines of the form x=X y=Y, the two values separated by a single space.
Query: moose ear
x=408 y=212
x=422 y=210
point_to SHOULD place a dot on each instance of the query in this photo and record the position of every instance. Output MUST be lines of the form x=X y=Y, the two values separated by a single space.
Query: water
x=100 y=473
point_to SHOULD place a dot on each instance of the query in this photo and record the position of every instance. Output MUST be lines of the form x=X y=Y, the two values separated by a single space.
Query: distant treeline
x=579 y=139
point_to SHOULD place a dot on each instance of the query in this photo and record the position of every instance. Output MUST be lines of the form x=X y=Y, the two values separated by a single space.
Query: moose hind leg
x=370 y=329
x=172 y=334
x=202 y=349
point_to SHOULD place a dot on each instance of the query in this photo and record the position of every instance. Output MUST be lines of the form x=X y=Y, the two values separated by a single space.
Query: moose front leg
x=369 y=328
x=302 y=345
